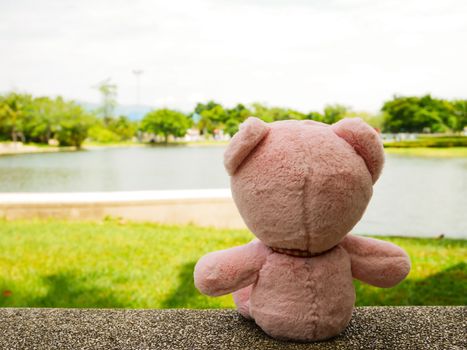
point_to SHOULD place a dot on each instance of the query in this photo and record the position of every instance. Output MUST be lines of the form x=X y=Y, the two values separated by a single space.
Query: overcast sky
x=295 y=53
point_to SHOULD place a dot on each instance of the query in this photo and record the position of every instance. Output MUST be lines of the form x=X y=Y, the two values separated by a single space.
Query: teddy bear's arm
x=376 y=262
x=226 y=271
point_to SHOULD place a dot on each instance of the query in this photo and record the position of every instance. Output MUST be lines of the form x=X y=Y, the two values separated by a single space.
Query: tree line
x=42 y=119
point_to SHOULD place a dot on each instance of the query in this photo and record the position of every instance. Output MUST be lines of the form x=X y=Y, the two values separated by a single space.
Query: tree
x=213 y=116
x=108 y=92
x=334 y=113
x=116 y=130
x=74 y=124
x=44 y=121
x=316 y=116
x=15 y=110
x=271 y=114
x=235 y=116
x=262 y=112
x=166 y=122
x=459 y=118
x=294 y=114
x=123 y=127
x=418 y=114
x=375 y=120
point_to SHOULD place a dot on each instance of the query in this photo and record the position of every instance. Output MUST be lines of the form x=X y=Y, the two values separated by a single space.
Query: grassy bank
x=429 y=152
x=425 y=146
x=111 y=264
x=430 y=141
x=430 y=146
x=8 y=149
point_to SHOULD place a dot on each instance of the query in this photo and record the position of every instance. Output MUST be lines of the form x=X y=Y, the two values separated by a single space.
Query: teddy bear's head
x=303 y=185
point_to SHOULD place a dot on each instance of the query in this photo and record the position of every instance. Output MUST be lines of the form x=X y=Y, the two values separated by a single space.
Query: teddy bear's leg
x=242 y=300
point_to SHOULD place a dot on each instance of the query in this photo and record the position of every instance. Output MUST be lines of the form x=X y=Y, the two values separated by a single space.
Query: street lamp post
x=138 y=73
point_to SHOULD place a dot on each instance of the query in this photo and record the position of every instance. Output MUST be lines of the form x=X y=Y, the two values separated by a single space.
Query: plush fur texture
x=300 y=187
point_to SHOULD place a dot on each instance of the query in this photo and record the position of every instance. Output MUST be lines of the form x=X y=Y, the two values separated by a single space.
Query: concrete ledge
x=371 y=328
x=209 y=207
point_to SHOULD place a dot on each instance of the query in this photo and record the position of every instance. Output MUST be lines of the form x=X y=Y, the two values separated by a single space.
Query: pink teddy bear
x=300 y=187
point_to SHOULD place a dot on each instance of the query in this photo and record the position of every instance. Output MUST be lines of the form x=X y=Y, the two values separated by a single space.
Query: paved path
x=371 y=328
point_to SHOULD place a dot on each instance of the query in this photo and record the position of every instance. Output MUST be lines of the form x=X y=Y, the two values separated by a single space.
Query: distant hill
x=134 y=112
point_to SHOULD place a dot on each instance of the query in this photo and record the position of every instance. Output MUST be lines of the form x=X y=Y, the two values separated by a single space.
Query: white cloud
x=301 y=54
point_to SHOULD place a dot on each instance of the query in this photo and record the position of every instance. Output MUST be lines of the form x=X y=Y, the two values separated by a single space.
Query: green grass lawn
x=112 y=264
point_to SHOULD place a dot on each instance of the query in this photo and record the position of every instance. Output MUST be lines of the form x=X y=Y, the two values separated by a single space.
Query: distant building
x=192 y=135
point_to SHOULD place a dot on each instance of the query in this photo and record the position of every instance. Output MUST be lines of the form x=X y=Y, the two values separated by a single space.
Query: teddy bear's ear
x=244 y=141
x=366 y=142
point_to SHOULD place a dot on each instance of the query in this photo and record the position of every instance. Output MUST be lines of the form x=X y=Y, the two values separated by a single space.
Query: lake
x=414 y=197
